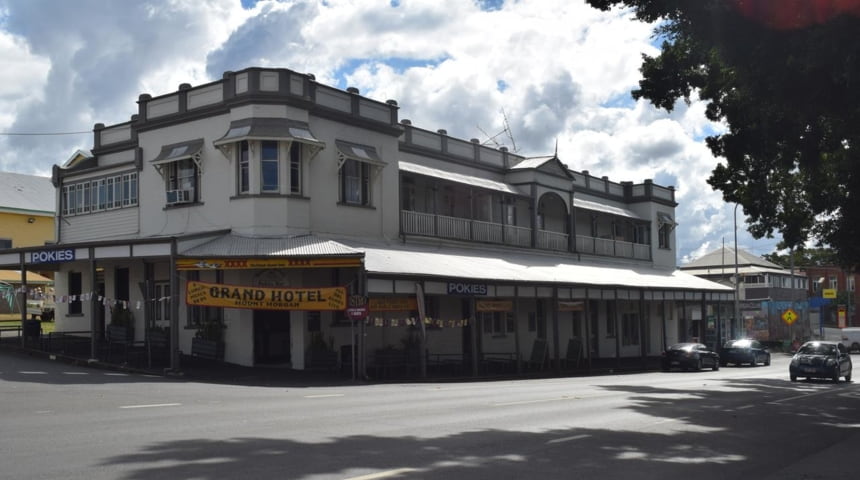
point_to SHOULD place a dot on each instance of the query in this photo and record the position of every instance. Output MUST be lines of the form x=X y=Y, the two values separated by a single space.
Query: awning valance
x=277 y=129
x=354 y=151
x=175 y=152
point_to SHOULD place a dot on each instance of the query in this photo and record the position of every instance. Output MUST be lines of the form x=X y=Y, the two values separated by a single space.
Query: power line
x=30 y=134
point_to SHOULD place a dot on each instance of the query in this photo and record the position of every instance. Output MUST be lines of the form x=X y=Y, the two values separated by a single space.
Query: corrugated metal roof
x=449 y=262
x=458 y=177
x=28 y=193
x=14 y=277
x=232 y=245
x=601 y=207
x=532 y=162
x=726 y=256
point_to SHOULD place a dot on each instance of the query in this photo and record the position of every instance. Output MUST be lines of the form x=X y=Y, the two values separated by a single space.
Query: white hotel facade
x=267 y=181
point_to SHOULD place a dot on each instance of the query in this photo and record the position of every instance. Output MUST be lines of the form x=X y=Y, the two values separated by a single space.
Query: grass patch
x=15 y=321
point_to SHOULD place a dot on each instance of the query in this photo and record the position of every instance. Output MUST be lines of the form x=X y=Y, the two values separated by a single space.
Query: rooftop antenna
x=506 y=131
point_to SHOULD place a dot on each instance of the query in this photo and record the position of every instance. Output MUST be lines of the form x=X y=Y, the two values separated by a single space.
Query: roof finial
x=555 y=155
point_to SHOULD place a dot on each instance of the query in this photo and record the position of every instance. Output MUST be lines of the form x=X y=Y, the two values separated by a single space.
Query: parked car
x=688 y=356
x=744 y=350
x=821 y=359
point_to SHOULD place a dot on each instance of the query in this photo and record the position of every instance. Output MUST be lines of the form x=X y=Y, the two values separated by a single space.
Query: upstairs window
x=356 y=163
x=295 y=168
x=181 y=165
x=96 y=195
x=665 y=225
x=182 y=184
x=244 y=163
x=269 y=151
x=355 y=183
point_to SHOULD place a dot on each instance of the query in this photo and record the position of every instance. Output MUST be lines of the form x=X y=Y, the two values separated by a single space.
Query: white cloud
x=558 y=70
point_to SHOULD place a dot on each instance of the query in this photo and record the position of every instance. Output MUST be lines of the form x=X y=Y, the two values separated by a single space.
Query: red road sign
x=357 y=313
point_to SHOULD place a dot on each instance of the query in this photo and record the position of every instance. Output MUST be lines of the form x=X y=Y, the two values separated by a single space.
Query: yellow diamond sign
x=789 y=316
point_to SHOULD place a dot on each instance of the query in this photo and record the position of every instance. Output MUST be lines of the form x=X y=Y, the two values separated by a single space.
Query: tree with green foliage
x=809 y=257
x=784 y=76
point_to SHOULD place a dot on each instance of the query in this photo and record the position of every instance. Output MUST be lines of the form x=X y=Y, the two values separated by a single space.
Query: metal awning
x=457 y=177
x=354 y=151
x=602 y=207
x=277 y=129
x=175 y=152
x=529 y=267
x=666 y=219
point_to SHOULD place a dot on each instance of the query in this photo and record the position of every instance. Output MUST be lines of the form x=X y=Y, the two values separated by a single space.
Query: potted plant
x=208 y=342
x=121 y=328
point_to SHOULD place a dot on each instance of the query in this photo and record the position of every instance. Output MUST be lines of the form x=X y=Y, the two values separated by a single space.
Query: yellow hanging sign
x=261 y=263
x=264 y=298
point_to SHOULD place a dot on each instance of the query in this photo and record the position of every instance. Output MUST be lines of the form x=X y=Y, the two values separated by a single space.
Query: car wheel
x=848 y=377
x=855 y=346
x=793 y=377
x=753 y=362
x=700 y=365
x=723 y=364
x=767 y=361
x=716 y=366
x=835 y=376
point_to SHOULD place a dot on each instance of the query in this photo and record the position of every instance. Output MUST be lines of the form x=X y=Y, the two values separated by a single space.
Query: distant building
x=765 y=292
x=832 y=297
x=27 y=208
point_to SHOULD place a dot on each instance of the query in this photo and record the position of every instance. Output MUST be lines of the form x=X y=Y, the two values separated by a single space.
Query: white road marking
x=385 y=474
x=328 y=395
x=32 y=372
x=567 y=439
x=153 y=405
x=814 y=394
x=541 y=400
x=76 y=373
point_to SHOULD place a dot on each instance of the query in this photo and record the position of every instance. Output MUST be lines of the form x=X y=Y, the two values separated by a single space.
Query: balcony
x=441 y=226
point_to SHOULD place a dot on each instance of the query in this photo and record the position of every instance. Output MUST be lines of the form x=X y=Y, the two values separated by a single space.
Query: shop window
x=162 y=301
x=497 y=324
x=629 y=329
x=5 y=243
x=198 y=315
x=610 y=319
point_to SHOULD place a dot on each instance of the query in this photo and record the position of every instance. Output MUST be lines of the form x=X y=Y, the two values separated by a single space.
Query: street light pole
x=736 y=322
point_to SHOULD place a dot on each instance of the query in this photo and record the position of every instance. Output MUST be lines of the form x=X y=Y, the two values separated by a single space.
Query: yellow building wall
x=23 y=233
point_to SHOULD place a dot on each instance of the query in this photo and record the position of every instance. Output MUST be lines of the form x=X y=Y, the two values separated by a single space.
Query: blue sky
x=559 y=70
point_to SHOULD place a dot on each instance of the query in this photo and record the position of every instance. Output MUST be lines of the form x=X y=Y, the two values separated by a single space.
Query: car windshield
x=817 y=349
x=738 y=344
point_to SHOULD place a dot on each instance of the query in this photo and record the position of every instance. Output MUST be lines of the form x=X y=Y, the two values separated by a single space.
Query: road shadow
x=706 y=440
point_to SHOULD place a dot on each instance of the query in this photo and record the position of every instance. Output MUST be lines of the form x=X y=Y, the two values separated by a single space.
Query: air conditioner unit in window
x=179 y=196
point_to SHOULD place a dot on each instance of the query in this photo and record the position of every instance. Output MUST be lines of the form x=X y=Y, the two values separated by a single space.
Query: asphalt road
x=59 y=421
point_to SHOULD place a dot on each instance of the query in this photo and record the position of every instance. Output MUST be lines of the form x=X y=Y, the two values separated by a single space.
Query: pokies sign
x=264 y=298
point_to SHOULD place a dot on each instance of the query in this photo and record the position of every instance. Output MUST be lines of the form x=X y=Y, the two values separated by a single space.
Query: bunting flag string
x=412 y=321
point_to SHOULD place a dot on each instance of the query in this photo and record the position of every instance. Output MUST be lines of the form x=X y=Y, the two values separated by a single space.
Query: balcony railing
x=430 y=225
